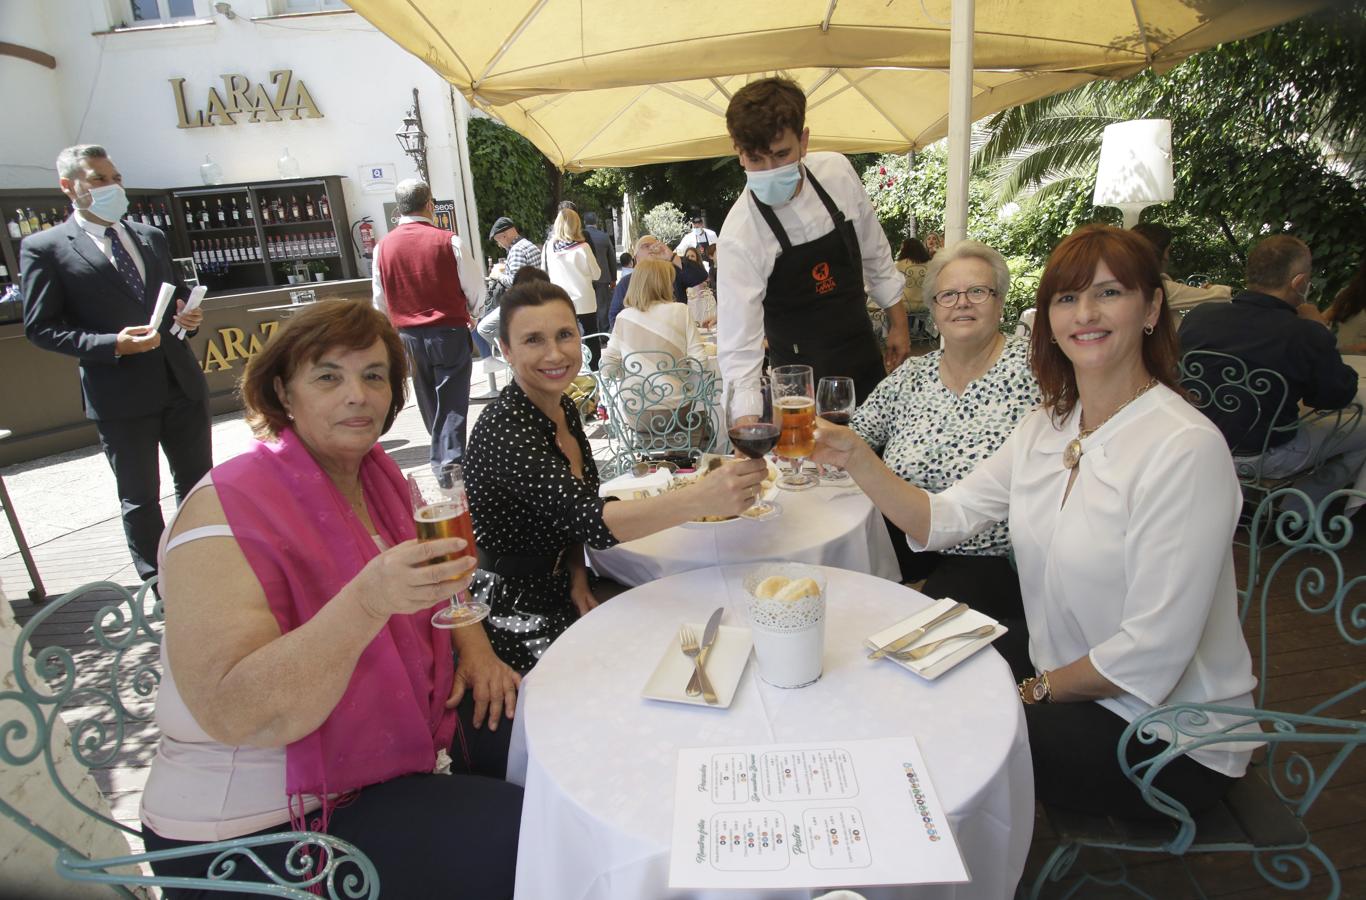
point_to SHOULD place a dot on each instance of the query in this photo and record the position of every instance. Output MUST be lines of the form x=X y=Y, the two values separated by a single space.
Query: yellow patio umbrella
x=496 y=52
x=849 y=110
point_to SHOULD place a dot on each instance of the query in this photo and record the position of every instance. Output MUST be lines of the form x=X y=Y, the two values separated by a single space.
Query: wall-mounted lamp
x=224 y=10
x=413 y=139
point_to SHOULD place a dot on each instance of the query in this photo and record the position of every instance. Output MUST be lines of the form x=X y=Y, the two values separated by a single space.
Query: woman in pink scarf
x=303 y=683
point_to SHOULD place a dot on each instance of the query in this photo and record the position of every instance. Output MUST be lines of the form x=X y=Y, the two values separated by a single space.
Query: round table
x=597 y=760
x=828 y=525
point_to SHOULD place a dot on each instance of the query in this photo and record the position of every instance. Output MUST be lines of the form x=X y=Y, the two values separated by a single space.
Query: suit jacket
x=602 y=249
x=76 y=302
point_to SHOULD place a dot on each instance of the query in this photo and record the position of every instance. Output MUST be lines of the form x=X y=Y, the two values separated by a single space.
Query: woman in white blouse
x=652 y=324
x=939 y=415
x=570 y=263
x=1121 y=501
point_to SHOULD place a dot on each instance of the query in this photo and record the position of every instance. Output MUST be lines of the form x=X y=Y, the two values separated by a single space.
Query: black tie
x=123 y=261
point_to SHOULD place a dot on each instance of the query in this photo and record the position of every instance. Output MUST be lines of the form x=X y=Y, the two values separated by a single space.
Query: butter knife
x=907 y=640
x=708 y=638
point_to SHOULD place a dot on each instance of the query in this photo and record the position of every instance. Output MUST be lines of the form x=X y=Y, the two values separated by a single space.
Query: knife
x=708 y=638
x=909 y=639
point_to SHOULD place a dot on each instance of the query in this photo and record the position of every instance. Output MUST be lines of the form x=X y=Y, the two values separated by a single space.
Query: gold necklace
x=1071 y=455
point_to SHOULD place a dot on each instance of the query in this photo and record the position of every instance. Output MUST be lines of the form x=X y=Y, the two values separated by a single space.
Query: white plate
x=625 y=487
x=947 y=656
x=769 y=494
x=725 y=664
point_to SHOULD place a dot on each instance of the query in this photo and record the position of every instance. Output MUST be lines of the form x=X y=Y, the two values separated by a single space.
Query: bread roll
x=798 y=589
x=768 y=588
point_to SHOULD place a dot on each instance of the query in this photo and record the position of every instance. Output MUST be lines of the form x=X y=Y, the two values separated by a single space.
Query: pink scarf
x=304 y=544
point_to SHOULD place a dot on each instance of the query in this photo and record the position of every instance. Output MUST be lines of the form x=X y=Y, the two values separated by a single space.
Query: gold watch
x=1036 y=689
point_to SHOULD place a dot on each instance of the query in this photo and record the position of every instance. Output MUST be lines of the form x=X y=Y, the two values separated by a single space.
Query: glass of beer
x=835 y=403
x=750 y=422
x=794 y=405
x=441 y=510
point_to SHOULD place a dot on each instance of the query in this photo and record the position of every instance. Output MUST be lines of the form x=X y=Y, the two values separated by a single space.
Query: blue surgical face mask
x=775 y=186
x=108 y=202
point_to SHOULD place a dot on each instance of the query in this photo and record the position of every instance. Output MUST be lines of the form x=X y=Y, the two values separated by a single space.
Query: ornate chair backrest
x=1199 y=280
x=658 y=404
x=1244 y=402
x=108 y=691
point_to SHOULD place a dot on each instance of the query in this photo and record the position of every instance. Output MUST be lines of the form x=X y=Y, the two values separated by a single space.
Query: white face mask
x=108 y=202
x=774 y=187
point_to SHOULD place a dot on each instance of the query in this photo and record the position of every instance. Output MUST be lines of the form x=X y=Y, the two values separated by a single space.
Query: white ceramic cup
x=789 y=638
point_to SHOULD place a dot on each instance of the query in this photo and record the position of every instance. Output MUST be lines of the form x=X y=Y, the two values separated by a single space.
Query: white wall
x=114 y=89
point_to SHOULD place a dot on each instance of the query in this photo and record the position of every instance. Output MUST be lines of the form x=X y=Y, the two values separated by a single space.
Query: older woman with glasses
x=939 y=415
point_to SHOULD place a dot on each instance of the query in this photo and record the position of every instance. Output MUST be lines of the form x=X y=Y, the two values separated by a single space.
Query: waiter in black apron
x=798 y=247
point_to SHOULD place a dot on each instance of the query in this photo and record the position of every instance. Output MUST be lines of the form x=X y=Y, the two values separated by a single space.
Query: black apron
x=815 y=310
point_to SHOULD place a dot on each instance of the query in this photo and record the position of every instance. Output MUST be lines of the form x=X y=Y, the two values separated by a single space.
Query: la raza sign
x=258 y=102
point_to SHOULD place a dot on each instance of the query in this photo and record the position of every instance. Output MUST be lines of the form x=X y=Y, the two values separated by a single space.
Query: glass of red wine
x=750 y=423
x=835 y=404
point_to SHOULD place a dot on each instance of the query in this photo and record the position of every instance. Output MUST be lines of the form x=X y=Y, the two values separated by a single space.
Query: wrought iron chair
x=113 y=694
x=658 y=405
x=1264 y=813
x=1226 y=389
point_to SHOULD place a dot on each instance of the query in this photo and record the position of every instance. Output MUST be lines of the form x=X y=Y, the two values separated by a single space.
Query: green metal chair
x=1224 y=387
x=658 y=405
x=1264 y=813
x=106 y=697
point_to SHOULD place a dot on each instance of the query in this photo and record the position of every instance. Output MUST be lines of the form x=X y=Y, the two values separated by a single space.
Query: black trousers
x=428 y=835
x=182 y=430
x=990 y=585
x=442 y=363
x=1075 y=767
x=588 y=324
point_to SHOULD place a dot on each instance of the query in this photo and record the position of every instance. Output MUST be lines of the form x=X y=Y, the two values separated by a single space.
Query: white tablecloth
x=597 y=760
x=824 y=526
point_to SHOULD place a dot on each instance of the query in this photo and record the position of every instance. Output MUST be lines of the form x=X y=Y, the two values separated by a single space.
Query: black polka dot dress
x=932 y=437
x=526 y=501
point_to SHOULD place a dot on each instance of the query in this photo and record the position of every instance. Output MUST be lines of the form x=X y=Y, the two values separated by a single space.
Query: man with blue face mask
x=797 y=250
x=90 y=286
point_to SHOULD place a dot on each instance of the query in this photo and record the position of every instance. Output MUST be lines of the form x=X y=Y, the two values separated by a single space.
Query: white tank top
x=199 y=789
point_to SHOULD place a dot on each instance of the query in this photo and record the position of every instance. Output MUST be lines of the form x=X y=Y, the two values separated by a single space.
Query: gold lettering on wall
x=257 y=102
x=232 y=345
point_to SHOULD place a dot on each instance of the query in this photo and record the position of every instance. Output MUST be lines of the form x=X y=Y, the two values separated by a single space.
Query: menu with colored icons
x=822 y=815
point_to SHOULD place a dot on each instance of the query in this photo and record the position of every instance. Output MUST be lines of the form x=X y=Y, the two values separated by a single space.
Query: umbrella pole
x=960 y=122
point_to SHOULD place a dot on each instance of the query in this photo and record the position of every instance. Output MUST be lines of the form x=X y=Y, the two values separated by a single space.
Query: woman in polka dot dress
x=533 y=486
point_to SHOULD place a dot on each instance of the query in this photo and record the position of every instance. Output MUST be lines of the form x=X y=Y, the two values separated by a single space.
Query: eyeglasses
x=978 y=293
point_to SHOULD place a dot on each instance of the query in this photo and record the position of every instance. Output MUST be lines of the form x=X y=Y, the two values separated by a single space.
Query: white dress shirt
x=690 y=239
x=1135 y=570
x=96 y=232
x=748 y=249
x=472 y=285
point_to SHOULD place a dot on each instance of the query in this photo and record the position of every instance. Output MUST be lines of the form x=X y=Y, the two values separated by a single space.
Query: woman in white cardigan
x=651 y=323
x=570 y=263
x=1121 y=500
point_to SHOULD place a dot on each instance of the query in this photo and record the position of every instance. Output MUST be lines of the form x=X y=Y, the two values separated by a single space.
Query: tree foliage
x=510 y=179
x=666 y=222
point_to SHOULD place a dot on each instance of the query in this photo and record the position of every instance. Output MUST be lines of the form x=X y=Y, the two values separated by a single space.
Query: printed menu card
x=831 y=814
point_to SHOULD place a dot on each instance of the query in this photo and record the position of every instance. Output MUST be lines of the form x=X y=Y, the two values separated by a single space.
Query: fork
x=687 y=642
x=926 y=649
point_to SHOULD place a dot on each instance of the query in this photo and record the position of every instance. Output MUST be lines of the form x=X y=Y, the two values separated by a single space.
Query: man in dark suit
x=606 y=256
x=90 y=286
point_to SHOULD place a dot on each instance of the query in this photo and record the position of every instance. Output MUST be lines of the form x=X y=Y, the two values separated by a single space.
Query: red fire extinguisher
x=367 y=238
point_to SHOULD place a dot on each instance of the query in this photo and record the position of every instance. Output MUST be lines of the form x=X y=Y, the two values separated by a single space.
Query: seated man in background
x=686 y=274
x=1180 y=297
x=1262 y=328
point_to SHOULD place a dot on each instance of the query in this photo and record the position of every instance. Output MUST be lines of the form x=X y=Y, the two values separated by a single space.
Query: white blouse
x=574 y=269
x=1135 y=570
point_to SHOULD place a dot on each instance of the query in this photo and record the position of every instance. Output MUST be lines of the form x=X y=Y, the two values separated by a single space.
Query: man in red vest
x=425 y=284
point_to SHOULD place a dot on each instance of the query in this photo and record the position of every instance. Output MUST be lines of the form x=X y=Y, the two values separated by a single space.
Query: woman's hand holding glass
x=836 y=445
x=403 y=579
x=730 y=489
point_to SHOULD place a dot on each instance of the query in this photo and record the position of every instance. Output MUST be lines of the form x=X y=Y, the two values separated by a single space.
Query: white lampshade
x=1135 y=166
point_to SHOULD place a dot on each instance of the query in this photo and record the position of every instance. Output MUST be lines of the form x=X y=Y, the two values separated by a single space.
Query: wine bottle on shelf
x=249 y=210
x=189 y=216
x=236 y=214
x=24 y=228
x=33 y=223
x=265 y=211
x=197 y=254
x=293 y=208
x=44 y=223
x=324 y=208
x=308 y=207
x=156 y=214
x=14 y=230
x=203 y=214
x=222 y=214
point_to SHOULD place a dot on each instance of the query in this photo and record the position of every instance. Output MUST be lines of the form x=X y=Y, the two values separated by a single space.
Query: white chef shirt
x=96 y=232
x=1136 y=570
x=690 y=239
x=470 y=283
x=748 y=249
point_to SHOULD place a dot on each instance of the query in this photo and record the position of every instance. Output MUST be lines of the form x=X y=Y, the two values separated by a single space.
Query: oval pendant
x=1071 y=454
